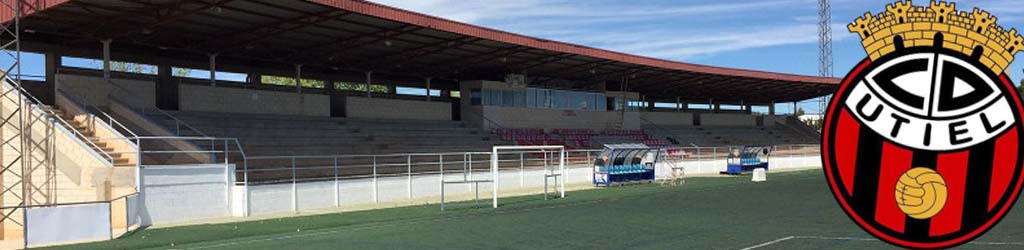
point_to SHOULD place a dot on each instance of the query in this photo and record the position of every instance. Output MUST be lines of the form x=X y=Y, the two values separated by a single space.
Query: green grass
x=705 y=213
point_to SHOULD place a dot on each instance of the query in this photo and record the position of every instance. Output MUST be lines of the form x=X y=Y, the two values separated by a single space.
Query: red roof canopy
x=350 y=36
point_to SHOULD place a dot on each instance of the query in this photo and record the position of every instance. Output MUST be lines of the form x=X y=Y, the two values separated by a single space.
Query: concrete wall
x=179 y=193
x=708 y=119
x=235 y=100
x=95 y=90
x=174 y=194
x=513 y=117
x=363 y=107
x=669 y=118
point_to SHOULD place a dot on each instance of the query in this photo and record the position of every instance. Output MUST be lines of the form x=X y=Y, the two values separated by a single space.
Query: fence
x=305 y=181
x=311 y=182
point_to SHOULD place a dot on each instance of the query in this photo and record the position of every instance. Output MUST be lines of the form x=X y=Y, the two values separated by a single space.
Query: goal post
x=559 y=177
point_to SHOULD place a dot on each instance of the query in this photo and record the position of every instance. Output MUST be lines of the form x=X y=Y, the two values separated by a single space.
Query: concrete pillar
x=52 y=62
x=771 y=108
x=106 y=58
x=298 y=78
x=749 y=108
x=428 y=89
x=794 y=108
x=369 y=78
x=167 y=92
x=255 y=78
x=213 y=69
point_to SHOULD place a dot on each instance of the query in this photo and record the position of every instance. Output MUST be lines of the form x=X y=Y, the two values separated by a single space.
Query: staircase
x=117 y=158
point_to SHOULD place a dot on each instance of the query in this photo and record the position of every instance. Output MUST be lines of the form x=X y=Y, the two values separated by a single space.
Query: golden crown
x=915 y=26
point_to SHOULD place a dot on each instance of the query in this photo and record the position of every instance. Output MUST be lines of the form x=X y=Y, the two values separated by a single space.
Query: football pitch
x=793 y=210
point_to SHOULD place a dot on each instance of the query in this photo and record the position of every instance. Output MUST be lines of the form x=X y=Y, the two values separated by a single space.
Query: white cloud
x=677 y=32
x=491 y=10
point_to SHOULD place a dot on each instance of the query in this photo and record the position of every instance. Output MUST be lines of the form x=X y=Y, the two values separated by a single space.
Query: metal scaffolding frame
x=14 y=165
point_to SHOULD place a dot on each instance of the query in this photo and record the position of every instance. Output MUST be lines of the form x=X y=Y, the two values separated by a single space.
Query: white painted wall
x=715 y=166
x=174 y=194
x=273 y=198
x=180 y=193
x=363 y=107
x=68 y=223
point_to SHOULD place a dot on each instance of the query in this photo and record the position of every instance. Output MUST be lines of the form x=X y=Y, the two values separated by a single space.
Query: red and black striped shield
x=934 y=109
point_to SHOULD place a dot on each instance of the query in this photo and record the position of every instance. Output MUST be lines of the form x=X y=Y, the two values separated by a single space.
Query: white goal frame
x=495 y=175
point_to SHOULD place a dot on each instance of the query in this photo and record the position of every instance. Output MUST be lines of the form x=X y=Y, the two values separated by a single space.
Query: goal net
x=511 y=167
x=554 y=174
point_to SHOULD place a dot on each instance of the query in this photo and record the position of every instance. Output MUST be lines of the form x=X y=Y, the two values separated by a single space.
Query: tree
x=1020 y=88
x=799 y=112
x=181 y=72
x=290 y=81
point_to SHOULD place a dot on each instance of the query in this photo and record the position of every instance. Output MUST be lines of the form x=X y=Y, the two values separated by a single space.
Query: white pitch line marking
x=770 y=242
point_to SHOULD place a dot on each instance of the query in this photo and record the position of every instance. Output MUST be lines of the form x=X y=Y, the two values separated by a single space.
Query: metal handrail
x=35 y=104
x=269 y=157
x=109 y=119
x=659 y=127
x=178 y=123
x=481 y=115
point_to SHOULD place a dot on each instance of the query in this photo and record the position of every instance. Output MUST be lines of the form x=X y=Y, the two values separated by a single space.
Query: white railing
x=178 y=123
x=108 y=122
x=306 y=182
x=67 y=128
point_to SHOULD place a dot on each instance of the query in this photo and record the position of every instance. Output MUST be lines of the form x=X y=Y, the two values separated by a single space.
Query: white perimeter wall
x=274 y=198
x=181 y=193
x=174 y=194
x=714 y=166
x=363 y=107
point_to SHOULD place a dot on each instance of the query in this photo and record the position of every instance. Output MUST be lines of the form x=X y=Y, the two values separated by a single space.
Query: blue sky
x=770 y=35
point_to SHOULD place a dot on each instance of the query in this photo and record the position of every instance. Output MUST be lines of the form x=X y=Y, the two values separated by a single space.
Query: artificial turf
x=704 y=213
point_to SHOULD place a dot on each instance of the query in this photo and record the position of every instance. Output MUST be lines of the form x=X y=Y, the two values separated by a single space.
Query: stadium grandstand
x=245 y=92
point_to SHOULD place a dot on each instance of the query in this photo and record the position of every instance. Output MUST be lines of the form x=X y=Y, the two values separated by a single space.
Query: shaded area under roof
x=332 y=36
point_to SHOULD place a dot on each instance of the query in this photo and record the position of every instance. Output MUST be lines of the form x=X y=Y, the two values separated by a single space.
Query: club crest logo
x=921 y=145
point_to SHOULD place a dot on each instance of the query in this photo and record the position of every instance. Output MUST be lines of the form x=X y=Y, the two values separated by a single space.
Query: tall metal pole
x=825 y=67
